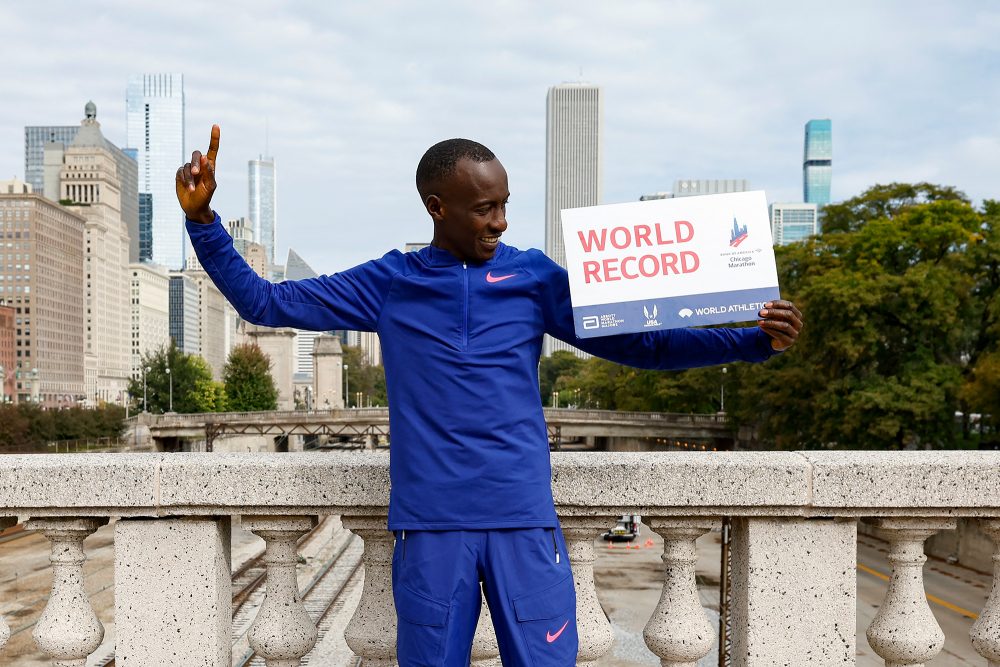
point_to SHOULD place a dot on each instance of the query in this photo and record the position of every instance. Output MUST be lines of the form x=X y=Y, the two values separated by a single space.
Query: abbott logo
x=685 y=312
x=591 y=322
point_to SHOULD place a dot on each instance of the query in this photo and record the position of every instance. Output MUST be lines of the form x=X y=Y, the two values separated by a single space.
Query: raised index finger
x=213 y=144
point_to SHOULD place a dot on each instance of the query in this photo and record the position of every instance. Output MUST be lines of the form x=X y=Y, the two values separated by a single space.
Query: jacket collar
x=435 y=256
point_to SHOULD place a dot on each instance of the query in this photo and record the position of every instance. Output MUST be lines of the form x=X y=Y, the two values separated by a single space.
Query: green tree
x=186 y=372
x=557 y=373
x=891 y=311
x=210 y=396
x=249 y=385
x=364 y=381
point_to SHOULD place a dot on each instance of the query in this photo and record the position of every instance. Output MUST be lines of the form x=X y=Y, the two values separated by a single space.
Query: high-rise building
x=155 y=128
x=792 y=222
x=817 y=162
x=7 y=358
x=150 y=312
x=41 y=277
x=185 y=311
x=35 y=139
x=573 y=164
x=89 y=181
x=693 y=187
x=44 y=147
x=263 y=190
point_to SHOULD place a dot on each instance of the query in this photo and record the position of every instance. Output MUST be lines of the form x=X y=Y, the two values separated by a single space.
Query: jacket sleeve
x=664 y=349
x=351 y=299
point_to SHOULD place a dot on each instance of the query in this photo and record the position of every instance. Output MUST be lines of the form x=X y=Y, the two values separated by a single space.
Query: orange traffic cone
x=649 y=543
x=611 y=545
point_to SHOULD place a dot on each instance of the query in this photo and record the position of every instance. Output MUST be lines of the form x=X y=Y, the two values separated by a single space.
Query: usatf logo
x=651 y=320
x=738 y=235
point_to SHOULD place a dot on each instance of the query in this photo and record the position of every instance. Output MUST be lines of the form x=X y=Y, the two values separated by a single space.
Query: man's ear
x=435 y=208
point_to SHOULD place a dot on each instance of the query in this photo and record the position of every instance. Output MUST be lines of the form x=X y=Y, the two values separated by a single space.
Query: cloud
x=352 y=93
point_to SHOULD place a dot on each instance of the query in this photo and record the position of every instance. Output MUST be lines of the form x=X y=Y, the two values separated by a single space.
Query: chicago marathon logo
x=738 y=235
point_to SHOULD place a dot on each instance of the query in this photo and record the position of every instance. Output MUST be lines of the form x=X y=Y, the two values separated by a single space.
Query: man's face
x=470 y=210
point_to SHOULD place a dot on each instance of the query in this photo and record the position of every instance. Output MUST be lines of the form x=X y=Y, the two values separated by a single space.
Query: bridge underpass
x=604 y=430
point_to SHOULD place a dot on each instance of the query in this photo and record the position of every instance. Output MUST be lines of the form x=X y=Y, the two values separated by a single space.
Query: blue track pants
x=525 y=576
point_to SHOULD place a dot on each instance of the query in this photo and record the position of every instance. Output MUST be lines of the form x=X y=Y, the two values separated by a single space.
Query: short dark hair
x=440 y=159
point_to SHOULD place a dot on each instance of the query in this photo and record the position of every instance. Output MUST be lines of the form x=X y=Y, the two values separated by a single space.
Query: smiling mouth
x=490 y=240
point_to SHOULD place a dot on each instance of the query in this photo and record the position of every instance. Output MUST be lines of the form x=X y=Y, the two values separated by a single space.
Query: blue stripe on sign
x=671 y=312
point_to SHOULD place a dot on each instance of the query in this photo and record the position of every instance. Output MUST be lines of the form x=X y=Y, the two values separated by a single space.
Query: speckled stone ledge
x=584 y=483
x=965 y=481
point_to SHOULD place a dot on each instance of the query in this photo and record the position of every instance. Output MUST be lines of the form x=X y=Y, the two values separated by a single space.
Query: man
x=461 y=324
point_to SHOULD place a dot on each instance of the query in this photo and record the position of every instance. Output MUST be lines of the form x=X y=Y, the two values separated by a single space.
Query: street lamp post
x=145 y=405
x=722 y=390
x=347 y=387
x=3 y=386
x=171 y=378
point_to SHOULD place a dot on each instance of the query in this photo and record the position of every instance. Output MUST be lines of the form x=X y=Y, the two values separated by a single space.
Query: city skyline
x=691 y=91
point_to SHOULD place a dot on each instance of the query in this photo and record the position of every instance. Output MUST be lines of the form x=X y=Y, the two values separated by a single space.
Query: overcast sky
x=352 y=93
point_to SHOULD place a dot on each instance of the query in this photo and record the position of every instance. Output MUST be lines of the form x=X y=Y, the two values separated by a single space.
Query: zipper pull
x=555 y=545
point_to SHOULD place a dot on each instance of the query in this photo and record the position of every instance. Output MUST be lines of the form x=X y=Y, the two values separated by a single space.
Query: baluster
x=68 y=629
x=679 y=630
x=5 y=523
x=282 y=632
x=592 y=625
x=904 y=631
x=371 y=633
x=985 y=631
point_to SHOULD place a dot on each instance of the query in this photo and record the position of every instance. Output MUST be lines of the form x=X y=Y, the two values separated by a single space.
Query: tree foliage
x=249 y=385
x=27 y=427
x=189 y=374
x=364 y=381
x=901 y=303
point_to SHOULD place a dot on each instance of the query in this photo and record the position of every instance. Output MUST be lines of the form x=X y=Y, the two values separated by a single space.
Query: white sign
x=669 y=263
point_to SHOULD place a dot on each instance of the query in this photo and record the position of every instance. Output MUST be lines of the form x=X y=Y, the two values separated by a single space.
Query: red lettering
x=588 y=242
x=687 y=227
x=610 y=264
x=591 y=269
x=669 y=262
x=686 y=266
x=642 y=234
x=659 y=236
x=652 y=270
x=625 y=263
x=621 y=244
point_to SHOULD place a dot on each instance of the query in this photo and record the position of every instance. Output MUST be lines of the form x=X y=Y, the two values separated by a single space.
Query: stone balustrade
x=794 y=548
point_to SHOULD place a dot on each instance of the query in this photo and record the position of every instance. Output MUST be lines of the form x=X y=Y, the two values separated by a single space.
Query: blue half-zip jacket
x=460 y=345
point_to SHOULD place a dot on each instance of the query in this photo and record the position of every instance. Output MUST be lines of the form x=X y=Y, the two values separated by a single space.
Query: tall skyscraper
x=817 y=162
x=44 y=150
x=35 y=138
x=90 y=183
x=263 y=190
x=573 y=164
x=792 y=222
x=155 y=128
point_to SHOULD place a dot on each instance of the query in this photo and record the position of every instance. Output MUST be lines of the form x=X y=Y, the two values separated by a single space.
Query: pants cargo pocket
x=548 y=621
x=420 y=628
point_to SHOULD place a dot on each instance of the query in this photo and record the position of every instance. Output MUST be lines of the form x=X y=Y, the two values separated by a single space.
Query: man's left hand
x=782 y=321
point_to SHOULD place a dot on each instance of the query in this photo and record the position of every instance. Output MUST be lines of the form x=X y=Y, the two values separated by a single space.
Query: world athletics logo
x=739 y=234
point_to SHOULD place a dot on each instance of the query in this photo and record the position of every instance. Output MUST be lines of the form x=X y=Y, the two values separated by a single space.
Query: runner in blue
x=461 y=325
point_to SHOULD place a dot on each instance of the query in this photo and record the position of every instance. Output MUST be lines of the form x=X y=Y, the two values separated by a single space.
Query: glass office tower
x=792 y=222
x=155 y=128
x=35 y=138
x=263 y=203
x=817 y=163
